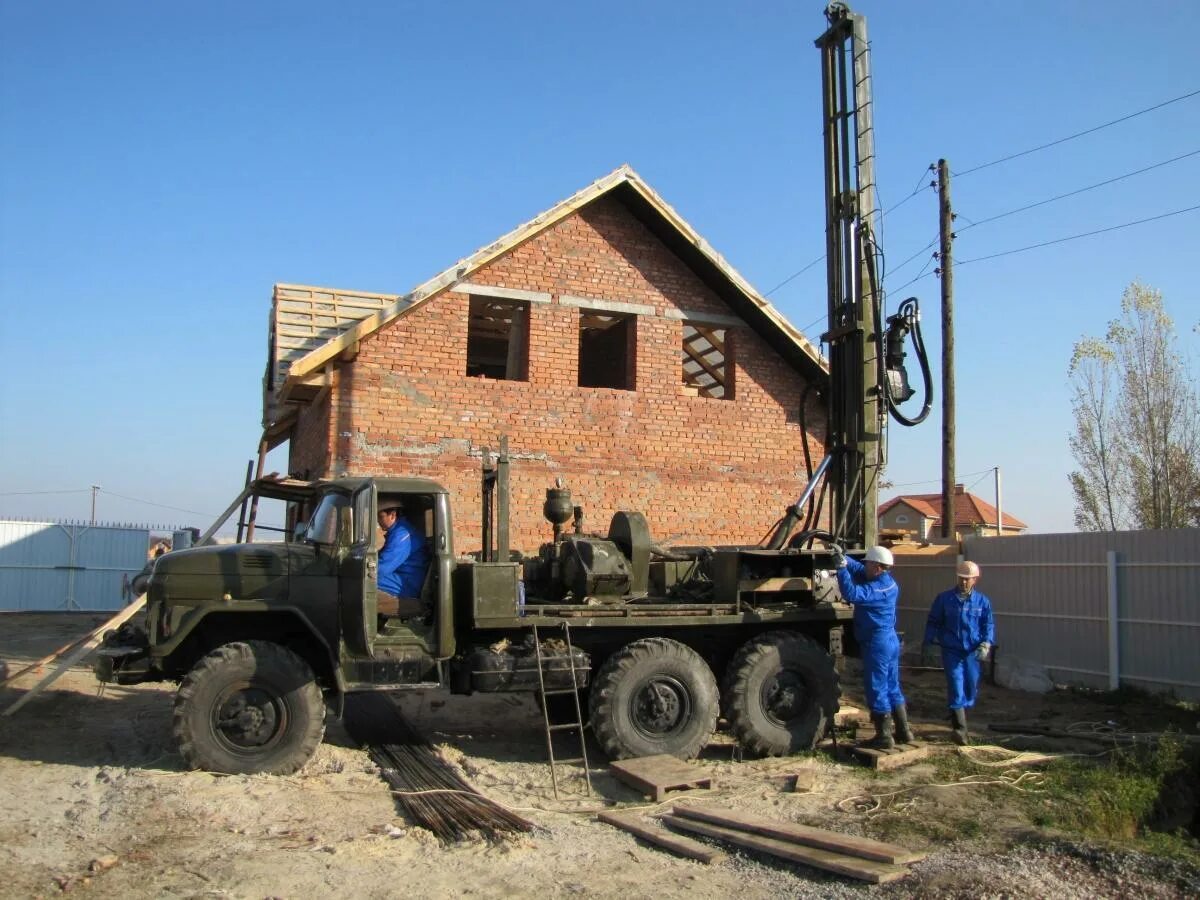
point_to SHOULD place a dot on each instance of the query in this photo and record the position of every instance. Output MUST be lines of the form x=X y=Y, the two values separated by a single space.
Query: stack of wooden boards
x=856 y=857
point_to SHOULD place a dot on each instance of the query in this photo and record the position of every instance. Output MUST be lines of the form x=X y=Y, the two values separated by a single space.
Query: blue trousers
x=962 y=677
x=881 y=672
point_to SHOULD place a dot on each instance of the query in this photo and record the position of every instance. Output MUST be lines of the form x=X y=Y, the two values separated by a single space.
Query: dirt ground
x=94 y=802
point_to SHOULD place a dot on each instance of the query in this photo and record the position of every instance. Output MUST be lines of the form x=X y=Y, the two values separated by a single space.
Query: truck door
x=356 y=576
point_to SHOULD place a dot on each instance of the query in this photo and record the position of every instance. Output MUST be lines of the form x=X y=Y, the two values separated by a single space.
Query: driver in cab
x=403 y=561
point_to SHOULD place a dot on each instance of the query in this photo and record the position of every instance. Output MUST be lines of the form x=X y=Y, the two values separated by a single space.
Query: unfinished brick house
x=616 y=349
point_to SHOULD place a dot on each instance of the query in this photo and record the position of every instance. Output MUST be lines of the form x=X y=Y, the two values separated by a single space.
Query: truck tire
x=781 y=692
x=654 y=696
x=249 y=707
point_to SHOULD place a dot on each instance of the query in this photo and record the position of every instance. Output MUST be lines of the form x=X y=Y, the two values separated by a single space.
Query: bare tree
x=1137 y=423
x=1095 y=484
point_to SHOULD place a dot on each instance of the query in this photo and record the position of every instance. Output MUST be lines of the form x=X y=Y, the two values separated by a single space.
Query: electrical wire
x=921 y=186
x=160 y=505
x=39 y=493
x=918 y=189
x=914 y=280
x=1075 y=237
x=933 y=241
x=1078 y=134
x=1090 y=187
x=794 y=275
x=938 y=480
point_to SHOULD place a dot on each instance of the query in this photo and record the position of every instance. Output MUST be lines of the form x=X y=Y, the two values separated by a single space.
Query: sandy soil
x=94 y=801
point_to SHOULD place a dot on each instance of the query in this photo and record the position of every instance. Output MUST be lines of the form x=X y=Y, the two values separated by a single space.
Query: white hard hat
x=881 y=555
x=967 y=569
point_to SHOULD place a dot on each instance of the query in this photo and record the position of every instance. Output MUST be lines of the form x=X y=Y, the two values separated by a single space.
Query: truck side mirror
x=301 y=531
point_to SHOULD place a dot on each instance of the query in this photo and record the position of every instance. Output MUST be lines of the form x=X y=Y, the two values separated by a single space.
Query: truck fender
x=254 y=620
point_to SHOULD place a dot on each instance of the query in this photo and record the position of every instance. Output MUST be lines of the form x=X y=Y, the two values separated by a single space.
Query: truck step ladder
x=576 y=726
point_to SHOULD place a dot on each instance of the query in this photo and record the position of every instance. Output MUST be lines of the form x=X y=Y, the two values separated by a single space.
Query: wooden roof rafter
x=704 y=355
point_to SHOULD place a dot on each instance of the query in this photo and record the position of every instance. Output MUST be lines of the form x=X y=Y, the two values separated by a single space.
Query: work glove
x=929 y=655
x=837 y=558
x=982 y=651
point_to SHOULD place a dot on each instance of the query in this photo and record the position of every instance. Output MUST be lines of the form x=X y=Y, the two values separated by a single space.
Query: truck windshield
x=330 y=519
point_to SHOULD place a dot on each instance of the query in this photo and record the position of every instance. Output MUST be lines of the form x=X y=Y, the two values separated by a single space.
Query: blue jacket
x=403 y=561
x=874 y=601
x=958 y=623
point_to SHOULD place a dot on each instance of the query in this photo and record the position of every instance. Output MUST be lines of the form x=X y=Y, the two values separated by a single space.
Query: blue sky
x=162 y=165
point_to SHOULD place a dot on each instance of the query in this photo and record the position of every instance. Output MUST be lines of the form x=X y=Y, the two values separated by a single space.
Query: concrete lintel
x=616 y=306
x=487 y=290
x=703 y=318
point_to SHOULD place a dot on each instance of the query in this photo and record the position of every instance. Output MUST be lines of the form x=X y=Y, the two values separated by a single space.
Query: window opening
x=705 y=360
x=498 y=339
x=606 y=350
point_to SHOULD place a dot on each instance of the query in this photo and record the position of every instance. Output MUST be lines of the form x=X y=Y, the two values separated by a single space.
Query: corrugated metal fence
x=1097 y=609
x=66 y=566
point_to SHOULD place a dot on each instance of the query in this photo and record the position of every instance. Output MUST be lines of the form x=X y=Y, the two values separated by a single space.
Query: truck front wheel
x=249 y=707
x=654 y=696
x=781 y=691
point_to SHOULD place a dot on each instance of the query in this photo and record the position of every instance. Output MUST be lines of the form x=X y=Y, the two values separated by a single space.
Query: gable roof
x=310 y=327
x=969 y=509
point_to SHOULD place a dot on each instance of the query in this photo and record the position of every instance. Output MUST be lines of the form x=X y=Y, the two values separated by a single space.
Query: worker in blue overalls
x=960 y=622
x=869 y=586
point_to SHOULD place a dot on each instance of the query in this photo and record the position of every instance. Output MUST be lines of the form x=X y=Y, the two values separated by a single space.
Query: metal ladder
x=576 y=726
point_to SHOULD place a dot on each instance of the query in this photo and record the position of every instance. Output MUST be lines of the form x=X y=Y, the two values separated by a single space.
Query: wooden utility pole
x=947 y=272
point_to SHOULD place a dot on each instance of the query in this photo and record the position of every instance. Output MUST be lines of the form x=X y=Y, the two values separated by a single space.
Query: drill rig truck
x=655 y=643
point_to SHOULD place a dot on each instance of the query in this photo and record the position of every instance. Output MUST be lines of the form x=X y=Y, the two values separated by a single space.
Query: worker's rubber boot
x=883 y=732
x=904 y=734
x=958 y=722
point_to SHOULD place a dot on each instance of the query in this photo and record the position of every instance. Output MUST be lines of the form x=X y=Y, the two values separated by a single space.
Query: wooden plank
x=656 y=834
x=80 y=651
x=821 y=838
x=655 y=775
x=826 y=860
x=886 y=760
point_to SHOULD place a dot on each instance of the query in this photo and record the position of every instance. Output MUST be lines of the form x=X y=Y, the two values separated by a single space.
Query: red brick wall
x=701 y=470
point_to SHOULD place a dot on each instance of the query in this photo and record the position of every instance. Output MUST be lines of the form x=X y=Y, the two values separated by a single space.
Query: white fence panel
x=1098 y=609
x=68 y=566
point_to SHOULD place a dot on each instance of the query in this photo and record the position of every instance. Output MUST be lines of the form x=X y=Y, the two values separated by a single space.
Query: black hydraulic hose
x=911 y=310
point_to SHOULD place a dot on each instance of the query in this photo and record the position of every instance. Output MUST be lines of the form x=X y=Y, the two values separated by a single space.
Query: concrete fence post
x=1114 y=624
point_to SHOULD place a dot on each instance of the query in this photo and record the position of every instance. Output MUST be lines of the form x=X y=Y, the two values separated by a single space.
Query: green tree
x=1137 y=423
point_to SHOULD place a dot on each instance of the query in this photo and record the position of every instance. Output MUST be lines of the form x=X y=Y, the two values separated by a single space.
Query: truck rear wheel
x=249 y=707
x=654 y=696
x=781 y=691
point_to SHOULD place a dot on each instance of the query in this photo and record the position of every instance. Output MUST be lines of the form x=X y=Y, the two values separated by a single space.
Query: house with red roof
x=919 y=516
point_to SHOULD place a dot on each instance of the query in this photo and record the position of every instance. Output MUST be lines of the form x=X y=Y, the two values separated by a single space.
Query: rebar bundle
x=435 y=796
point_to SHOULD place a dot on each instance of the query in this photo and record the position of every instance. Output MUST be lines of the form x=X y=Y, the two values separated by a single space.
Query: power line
x=921 y=186
x=913 y=280
x=38 y=493
x=1079 y=191
x=1078 y=134
x=794 y=275
x=160 y=505
x=939 y=481
x=916 y=190
x=915 y=255
x=1075 y=237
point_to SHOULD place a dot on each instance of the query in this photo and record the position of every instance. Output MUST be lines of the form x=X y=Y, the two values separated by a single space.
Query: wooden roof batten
x=287 y=375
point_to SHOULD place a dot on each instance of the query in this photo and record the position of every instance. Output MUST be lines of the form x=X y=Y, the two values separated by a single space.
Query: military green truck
x=263 y=637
